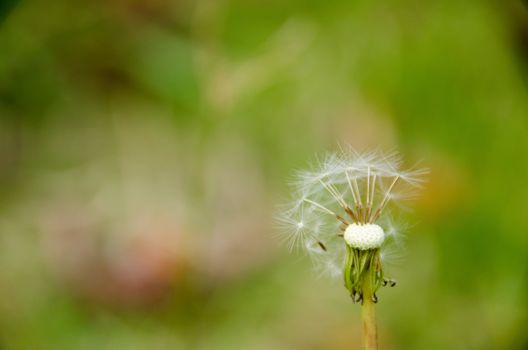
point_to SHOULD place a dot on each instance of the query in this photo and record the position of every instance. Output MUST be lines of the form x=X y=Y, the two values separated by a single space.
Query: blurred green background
x=144 y=145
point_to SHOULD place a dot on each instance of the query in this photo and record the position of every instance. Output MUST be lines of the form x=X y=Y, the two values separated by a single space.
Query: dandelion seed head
x=344 y=199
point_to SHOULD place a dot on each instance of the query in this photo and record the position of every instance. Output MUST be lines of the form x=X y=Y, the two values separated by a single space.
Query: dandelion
x=340 y=218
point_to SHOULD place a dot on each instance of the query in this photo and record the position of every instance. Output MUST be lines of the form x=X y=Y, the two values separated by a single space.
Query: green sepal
x=348 y=269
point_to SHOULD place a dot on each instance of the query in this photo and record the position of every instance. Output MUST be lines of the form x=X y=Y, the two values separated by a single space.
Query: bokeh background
x=145 y=144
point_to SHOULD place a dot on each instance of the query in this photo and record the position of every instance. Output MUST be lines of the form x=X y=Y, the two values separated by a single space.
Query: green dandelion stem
x=368 y=316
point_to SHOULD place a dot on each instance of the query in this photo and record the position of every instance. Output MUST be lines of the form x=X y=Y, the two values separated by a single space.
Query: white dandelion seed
x=340 y=215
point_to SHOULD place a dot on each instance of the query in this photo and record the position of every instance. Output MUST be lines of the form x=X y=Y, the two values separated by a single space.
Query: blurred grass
x=143 y=145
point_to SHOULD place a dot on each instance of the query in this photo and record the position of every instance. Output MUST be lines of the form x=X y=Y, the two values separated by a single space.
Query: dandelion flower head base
x=363 y=237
